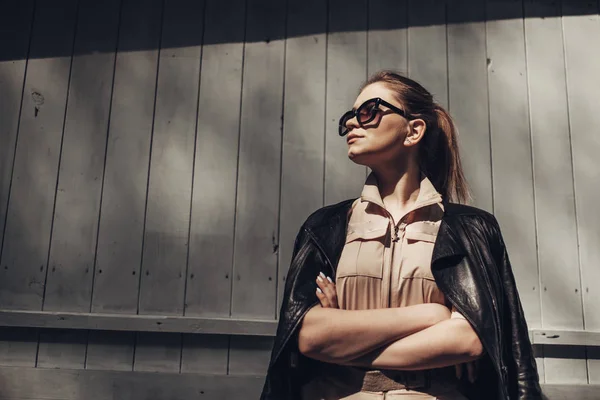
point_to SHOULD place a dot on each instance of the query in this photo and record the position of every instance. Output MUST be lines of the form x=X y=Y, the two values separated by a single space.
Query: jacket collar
x=327 y=227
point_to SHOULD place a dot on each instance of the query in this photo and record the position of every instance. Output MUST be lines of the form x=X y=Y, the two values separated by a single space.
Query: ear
x=416 y=131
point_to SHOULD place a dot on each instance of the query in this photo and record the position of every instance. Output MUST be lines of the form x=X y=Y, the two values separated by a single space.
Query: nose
x=352 y=123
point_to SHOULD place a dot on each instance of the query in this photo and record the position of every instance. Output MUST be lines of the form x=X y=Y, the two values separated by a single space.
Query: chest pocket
x=417 y=249
x=364 y=249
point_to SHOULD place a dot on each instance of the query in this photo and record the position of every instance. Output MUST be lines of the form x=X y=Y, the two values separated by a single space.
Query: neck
x=398 y=186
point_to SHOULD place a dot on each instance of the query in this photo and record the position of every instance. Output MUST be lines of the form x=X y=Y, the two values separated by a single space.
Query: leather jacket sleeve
x=299 y=296
x=516 y=333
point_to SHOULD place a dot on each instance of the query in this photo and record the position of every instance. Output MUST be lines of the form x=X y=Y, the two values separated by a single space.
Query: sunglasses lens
x=366 y=112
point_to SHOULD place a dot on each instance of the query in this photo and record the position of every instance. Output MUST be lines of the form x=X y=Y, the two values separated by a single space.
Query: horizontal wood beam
x=20 y=383
x=224 y=326
x=137 y=323
x=565 y=338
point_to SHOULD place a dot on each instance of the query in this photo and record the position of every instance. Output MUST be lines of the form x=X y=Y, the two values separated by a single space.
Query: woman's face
x=383 y=139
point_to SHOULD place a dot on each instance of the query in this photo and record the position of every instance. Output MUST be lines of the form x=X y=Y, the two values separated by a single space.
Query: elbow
x=306 y=342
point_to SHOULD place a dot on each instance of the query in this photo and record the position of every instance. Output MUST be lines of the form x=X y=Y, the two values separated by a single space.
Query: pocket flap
x=422 y=230
x=367 y=230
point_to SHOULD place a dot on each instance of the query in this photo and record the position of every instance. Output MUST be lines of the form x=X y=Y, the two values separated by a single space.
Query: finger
x=471 y=372
x=459 y=370
x=327 y=286
x=323 y=299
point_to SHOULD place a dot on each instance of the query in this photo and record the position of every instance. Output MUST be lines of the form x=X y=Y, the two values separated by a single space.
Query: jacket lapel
x=329 y=233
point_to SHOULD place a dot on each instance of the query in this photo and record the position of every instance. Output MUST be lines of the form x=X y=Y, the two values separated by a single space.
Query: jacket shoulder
x=453 y=210
x=325 y=214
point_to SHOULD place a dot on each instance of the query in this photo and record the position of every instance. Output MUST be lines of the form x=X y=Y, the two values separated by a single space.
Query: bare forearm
x=337 y=336
x=447 y=343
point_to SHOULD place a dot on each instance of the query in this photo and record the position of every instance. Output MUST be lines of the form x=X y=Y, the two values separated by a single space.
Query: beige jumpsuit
x=385 y=263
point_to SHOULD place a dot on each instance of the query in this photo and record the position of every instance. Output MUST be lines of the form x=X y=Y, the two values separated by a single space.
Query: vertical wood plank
x=73 y=245
x=162 y=288
x=553 y=179
x=511 y=147
x=16 y=347
x=303 y=127
x=118 y=259
x=157 y=352
x=580 y=23
x=210 y=264
x=109 y=350
x=427 y=50
x=468 y=95
x=15 y=31
x=62 y=349
x=170 y=184
x=29 y=217
x=205 y=354
x=126 y=169
x=346 y=71
x=257 y=207
x=249 y=355
x=388 y=36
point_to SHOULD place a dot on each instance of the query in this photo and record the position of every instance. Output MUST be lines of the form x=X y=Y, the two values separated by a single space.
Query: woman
x=422 y=284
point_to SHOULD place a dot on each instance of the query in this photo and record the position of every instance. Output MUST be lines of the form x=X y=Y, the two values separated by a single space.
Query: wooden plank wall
x=159 y=158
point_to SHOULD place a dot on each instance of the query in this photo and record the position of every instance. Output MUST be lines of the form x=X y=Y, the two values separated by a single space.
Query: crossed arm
x=407 y=338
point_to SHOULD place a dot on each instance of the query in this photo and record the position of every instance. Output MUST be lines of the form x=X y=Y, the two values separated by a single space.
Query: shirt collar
x=428 y=195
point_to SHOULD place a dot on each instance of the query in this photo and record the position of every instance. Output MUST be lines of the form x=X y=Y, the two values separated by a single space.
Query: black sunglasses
x=366 y=113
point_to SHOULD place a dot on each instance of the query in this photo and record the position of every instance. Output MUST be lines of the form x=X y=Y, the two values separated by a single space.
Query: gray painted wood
x=109 y=350
x=249 y=355
x=164 y=263
x=119 y=251
x=75 y=224
x=157 y=352
x=303 y=126
x=468 y=95
x=210 y=261
x=18 y=346
x=62 y=349
x=205 y=354
x=73 y=246
x=66 y=384
x=558 y=337
x=346 y=71
x=553 y=183
x=15 y=30
x=143 y=323
x=29 y=216
x=126 y=170
x=511 y=149
x=427 y=49
x=582 y=87
x=259 y=169
x=170 y=183
x=387 y=36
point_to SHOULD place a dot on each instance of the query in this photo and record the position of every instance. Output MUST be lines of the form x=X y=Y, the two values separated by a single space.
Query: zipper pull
x=396 y=237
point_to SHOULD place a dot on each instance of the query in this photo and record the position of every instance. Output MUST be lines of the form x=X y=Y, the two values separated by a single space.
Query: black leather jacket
x=470 y=266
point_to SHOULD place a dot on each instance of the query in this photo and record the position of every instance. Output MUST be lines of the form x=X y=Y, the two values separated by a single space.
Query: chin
x=356 y=156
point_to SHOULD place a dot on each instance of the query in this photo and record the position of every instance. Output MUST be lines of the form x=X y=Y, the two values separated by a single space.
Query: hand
x=471 y=370
x=326 y=292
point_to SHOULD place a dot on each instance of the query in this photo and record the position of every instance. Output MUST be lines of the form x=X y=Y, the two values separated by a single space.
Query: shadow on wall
x=19 y=13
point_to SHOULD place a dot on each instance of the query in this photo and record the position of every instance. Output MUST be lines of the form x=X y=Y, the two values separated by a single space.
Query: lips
x=352 y=137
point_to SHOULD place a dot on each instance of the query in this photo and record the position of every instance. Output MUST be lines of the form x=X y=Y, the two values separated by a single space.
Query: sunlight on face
x=380 y=140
